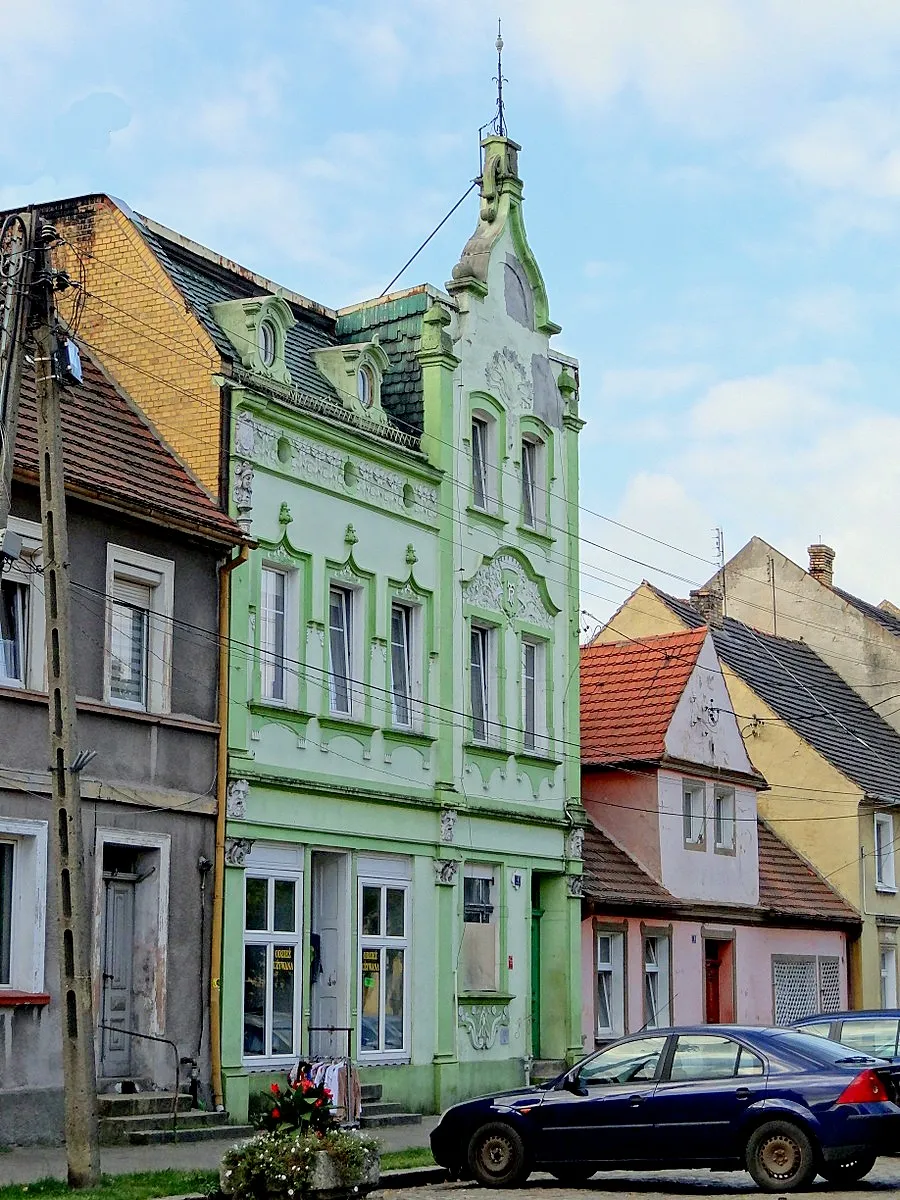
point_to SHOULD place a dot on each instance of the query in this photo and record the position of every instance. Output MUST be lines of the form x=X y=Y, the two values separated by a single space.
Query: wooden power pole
x=15 y=278
x=82 y=1145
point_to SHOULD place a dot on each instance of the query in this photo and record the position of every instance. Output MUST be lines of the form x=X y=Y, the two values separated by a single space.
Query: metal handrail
x=152 y=1037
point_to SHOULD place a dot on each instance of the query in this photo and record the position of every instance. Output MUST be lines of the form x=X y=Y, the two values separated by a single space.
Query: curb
x=413 y=1177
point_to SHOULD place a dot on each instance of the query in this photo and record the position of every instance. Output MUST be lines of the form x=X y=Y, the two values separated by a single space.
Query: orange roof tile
x=111 y=454
x=629 y=691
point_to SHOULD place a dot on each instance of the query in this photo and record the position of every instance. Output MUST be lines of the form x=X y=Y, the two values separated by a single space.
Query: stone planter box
x=325 y=1182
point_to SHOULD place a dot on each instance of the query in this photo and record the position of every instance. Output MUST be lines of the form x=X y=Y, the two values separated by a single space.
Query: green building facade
x=403 y=840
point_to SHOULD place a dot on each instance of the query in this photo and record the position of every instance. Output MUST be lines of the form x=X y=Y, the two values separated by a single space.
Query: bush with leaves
x=302 y=1105
x=282 y=1163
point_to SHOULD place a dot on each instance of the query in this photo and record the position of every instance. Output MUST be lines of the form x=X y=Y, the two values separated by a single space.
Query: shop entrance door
x=329 y=959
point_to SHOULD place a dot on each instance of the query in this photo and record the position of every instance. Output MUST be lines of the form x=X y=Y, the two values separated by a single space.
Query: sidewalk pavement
x=26 y=1164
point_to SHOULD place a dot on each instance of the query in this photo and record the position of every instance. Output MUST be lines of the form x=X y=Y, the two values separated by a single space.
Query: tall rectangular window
x=610 y=985
x=340 y=628
x=694 y=814
x=479 y=668
x=529 y=483
x=401 y=664
x=6 y=911
x=272 y=949
x=23 y=903
x=533 y=673
x=480 y=947
x=724 y=821
x=885 y=879
x=479 y=462
x=273 y=596
x=130 y=642
x=13 y=632
x=383 y=920
x=657 y=1014
x=888 y=963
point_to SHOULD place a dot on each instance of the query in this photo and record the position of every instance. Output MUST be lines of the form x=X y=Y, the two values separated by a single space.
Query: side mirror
x=571 y=1083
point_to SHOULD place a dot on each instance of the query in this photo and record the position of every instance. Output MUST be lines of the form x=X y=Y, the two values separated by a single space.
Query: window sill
x=336 y=723
x=396 y=735
x=30 y=696
x=536 y=756
x=538 y=534
x=887 y=889
x=492 y=520
x=383 y=1058
x=485 y=997
x=11 y=999
x=487 y=748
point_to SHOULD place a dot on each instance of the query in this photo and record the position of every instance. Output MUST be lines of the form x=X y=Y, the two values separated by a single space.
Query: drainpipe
x=215 y=961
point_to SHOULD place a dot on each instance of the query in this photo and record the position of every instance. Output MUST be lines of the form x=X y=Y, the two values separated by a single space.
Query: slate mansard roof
x=629 y=692
x=789 y=889
x=113 y=456
x=205 y=279
x=809 y=697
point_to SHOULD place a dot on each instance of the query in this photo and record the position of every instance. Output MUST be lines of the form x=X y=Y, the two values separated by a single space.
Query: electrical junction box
x=70 y=362
x=10 y=547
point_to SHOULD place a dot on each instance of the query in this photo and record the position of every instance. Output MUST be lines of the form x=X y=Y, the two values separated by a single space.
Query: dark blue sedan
x=781 y=1104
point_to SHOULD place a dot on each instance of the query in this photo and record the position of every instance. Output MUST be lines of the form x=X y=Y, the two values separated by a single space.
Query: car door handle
x=634 y=1101
x=743 y=1093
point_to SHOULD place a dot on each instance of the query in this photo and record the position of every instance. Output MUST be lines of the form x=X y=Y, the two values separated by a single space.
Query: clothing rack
x=343 y=1062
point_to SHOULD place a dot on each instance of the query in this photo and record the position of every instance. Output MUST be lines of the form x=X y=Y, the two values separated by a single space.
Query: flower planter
x=322 y=1177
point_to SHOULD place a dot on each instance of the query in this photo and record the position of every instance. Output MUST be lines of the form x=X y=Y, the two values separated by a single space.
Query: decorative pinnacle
x=499 y=79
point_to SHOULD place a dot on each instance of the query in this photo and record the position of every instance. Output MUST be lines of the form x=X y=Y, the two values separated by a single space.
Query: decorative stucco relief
x=314 y=461
x=501 y=585
x=483 y=1022
x=445 y=870
x=509 y=381
x=236 y=851
x=236 y=798
x=575 y=844
x=448 y=823
x=575 y=886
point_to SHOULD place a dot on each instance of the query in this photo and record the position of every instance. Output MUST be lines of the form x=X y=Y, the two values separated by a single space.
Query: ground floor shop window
x=479 y=965
x=272 y=956
x=383 y=948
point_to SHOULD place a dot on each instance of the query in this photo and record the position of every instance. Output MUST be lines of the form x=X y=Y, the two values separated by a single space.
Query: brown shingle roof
x=789 y=888
x=111 y=454
x=629 y=691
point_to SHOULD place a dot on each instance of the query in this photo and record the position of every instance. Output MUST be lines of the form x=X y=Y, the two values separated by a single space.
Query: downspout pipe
x=215 y=990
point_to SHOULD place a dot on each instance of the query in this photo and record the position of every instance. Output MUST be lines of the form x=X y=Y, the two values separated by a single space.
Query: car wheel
x=849 y=1170
x=497 y=1156
x=572 y=1173
x=780 y=1157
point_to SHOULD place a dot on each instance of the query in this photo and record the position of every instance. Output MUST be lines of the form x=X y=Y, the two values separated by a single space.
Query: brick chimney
x=821 y=563
x=708 y=602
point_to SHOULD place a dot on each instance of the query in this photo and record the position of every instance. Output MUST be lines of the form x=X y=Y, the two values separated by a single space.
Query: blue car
x=871 y=1031
x=781 y=1104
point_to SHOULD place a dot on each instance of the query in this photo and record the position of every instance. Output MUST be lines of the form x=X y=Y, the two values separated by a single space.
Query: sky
x=712 y=190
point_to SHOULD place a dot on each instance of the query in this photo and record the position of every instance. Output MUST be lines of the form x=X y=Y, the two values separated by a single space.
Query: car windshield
x=820 y=1050
x=624 y=1063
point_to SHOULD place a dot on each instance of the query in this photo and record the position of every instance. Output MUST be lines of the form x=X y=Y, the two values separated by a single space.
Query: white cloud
x=832 y=310
x=649 y=385
x=772 y=404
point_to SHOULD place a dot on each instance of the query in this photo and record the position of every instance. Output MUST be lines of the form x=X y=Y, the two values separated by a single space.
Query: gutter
x=215 y=962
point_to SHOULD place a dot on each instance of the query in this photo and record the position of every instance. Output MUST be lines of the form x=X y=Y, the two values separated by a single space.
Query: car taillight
x=866 y=1086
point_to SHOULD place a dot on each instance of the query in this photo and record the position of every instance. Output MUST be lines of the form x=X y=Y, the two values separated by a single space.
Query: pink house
x=693 y=909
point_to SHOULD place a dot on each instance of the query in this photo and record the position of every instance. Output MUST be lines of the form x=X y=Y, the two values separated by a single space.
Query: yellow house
x=832 y=764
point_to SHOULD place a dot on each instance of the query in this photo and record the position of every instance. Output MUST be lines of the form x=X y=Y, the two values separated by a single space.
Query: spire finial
x=500 y=120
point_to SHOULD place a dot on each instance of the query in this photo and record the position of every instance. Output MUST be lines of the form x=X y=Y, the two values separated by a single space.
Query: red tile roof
x=629 y=691
x=788 y=884
x=112 y=455
x=789 y=889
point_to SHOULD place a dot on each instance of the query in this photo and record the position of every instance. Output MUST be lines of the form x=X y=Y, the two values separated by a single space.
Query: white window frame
x=487 y=636
x=660 y=971
x=274 y=863
x=885 y=873
x=159 y=575
x=887 y=959
x=693 y=814
x=480 y=436
x=534 y=723
x=413 y=654
x=493 y=876
x=29 y=903
x=289 y=651
x=385 y=872
x=724 y=819
x=26 y=572
x=533 y=452
x=352 y=649
x=612 y=972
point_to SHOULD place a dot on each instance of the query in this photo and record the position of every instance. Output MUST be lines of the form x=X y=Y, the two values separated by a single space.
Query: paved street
x=884 y=1180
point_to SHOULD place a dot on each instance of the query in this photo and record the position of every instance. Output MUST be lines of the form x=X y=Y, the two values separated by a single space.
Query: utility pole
x=15 y=279
x=82 y=1146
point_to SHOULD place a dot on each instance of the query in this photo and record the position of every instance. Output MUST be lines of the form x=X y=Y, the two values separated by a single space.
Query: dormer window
x=365 y=387
x=266 y=342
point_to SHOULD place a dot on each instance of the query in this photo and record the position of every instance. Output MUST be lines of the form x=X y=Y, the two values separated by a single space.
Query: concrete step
x=117 y=1131
x=543 y=1069
x=370 y=1092
x=384 y=1109
x=394 y=1118
x=205 y=1133
x=139 y=1104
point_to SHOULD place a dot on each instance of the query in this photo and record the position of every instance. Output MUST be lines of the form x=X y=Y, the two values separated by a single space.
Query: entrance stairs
x=145 y=1119
x=545 y=1069
x=378 y=1114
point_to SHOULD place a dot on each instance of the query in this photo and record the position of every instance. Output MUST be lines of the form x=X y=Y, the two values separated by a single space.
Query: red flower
x=306 y=1085
x=295 y=1084
x=276 y=1113
x=274 y=1089
x=319 y=1104
x=327 y=1092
